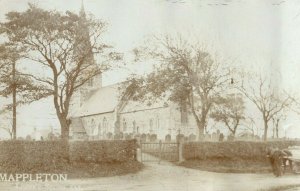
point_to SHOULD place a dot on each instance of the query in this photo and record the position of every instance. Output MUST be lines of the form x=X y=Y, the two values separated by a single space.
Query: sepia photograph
x=150 y=95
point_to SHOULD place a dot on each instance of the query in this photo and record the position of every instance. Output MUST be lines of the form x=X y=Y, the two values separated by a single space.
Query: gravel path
x=164 y=176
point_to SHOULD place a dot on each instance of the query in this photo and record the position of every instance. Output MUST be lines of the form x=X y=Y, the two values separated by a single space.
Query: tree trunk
x=65 y=130
x=265 y=129
x=201 y=127
x=277 y=126
x=14 y=104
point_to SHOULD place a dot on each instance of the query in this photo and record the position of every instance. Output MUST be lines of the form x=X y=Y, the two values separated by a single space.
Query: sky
x=261 y=35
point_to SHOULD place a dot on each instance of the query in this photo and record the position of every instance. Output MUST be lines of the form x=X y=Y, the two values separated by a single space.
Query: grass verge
x=229 y=165
x=283 y=188
x=91 y=170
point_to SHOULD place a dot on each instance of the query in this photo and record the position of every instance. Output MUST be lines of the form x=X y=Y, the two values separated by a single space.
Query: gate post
x=180 y=151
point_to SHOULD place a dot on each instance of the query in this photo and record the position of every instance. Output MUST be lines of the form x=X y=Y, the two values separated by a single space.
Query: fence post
x=141 y=151
x=180 y=151
x=160 y=152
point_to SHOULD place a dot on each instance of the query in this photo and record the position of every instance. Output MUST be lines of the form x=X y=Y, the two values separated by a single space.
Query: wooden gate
x=155 y=152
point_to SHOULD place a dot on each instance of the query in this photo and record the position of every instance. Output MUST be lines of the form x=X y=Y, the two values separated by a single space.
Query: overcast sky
x=255 y=34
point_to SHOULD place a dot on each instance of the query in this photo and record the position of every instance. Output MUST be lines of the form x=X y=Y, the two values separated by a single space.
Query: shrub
x=109 y=135
x=231 y=150
x=23 y=156
x=55 y=156
x=179 y=138
x=192 y=137
x=153 y=138
x=148 y=137
x=143 y=137
x=128 y=136
x=168 y=138
x=118 y=136
x=103 y=151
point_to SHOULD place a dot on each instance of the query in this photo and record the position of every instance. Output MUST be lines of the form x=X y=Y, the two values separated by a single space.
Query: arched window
x=94 y=129
x=99 y=130
x=104 y=125
x=124 y=125
x=157 y=122
x=151 y=125
x=133 y=126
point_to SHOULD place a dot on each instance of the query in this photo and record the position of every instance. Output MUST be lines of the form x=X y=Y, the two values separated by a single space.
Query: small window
x=124 y=125
x=151 y=124
x=133 y=126
x=104 y=125
x=99 y=129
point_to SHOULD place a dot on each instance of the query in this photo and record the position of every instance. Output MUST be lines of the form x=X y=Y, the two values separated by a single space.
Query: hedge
x=231 y=150
x=21 y=156
x=51 y=156
x=103 y=151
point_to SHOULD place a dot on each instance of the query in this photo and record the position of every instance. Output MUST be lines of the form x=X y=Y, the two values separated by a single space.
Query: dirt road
x=166 y=177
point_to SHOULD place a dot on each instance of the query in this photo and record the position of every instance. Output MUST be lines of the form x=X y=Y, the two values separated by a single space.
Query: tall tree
x=13 y=83
x=64 y=45
x=186 y=74
x=267 y=98
x=230 y=111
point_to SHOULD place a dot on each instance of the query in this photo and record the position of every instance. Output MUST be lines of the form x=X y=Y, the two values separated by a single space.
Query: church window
x=124 y=125
x=157 y=122
x=104 y=125
x=133 y=126
x=99 y=129
x=93 y=128
x=151 y=124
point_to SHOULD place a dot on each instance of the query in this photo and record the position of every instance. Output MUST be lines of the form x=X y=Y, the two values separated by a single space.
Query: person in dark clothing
x=278 y=159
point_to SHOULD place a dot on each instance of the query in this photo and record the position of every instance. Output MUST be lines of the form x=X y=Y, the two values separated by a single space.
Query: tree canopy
x=186 y=74
x=64 y=45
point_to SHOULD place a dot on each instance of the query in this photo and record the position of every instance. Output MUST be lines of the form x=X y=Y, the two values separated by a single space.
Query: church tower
x=84 y=43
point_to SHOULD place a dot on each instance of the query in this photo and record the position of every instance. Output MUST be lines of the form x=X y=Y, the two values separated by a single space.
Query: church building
x=99 y=113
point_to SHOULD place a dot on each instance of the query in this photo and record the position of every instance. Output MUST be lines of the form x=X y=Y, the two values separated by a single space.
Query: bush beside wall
x=231 y=150
x=103 y=151
x=52 y=156
x=20 y=156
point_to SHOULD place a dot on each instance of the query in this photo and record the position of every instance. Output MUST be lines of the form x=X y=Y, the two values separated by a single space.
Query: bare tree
x=64 y=44
x=276 y=119
x=187 y=74
x=269 y=100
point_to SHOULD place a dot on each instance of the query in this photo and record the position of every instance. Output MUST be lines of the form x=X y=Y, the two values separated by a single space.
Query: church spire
x=82 y=11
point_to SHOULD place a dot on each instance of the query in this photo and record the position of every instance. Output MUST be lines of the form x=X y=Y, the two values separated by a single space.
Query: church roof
x=134 y=106
x=103 y=100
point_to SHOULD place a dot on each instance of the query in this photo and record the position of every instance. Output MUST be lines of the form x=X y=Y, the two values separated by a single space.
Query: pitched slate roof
x=106 y=100
x=103 y=100
x=133 y=106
